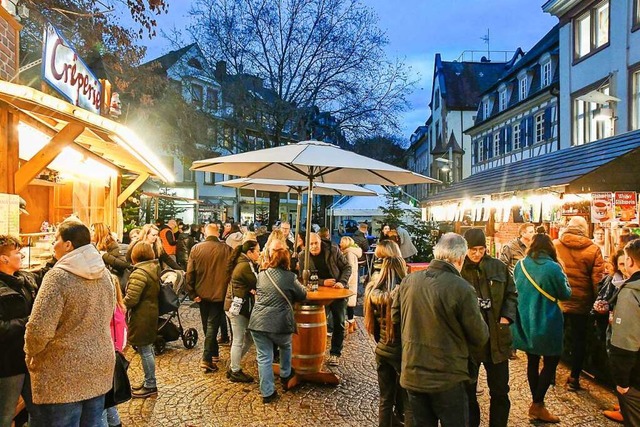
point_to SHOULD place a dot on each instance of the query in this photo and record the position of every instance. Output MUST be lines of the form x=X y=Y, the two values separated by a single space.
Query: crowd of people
x=60 y=325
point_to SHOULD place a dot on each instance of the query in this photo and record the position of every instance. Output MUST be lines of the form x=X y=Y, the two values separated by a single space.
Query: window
x=209 y=178
x=486 y=109
x=196 y=95
x=522 y=84
x=635 y=96
x=496 y=144
x=636 y=14
x=585 y=126
x=591 y=30
x=480 y=150
x=546 y=74
x=187 y=174
x=516 y=137
x=539 y=128
x=503 y=99
x=212 y=99
x=436 y=100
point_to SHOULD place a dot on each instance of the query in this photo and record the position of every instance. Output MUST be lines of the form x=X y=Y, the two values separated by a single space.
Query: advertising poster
x=601 y=207
x=626 y=206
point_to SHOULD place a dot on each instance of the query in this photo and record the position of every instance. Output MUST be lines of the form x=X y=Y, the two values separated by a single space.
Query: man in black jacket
x=333 y=271
x=498 y=302
x=360 y=238
x=624 y=350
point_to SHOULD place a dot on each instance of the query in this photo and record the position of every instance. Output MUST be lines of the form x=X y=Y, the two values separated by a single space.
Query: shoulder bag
x=535 y=285
x=295 y=325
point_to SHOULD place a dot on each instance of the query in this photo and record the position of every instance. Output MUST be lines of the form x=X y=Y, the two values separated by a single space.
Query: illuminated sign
x=67 y=73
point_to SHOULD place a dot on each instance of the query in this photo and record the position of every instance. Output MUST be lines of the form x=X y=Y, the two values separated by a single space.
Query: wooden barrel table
x=308 y=343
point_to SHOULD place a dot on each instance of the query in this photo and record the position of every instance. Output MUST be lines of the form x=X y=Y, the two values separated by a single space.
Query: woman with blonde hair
x=352 y=252
x=265 y=255
x=149 y=234
x=377 y=320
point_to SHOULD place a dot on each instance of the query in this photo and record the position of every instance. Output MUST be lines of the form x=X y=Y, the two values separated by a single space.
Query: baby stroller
x=167 y=330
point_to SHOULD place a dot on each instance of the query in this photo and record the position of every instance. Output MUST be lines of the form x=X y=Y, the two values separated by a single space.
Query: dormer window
x=486 y=108
x=523 y=87
x=436 y=100
x=545 y=71
x=503 y=98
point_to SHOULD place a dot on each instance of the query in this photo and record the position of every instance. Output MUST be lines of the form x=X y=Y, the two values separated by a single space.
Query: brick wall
x=505 y=232
x=9 y=45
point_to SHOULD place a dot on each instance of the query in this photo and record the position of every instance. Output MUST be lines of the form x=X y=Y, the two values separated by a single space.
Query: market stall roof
x=605 y=165
x=101 y=138
x=169 y=197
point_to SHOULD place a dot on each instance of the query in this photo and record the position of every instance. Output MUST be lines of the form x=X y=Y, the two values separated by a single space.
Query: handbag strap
x=278 y=288
x=533 y=282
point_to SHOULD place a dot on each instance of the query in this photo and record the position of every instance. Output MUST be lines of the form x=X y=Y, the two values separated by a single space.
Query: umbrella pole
x=298 y=212
x=306 y=273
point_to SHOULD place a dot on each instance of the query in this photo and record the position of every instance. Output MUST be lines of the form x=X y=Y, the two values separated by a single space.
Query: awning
x=100 y=138
x=598 y=97
x=605 y=165
x=367 y=206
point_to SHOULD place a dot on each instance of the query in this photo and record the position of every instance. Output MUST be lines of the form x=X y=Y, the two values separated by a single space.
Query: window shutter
x=547 y=124
x=508 y=139
x=474 y=155
x=523 y=132
x=530 y=131
x=490 y=147
x=487 y=155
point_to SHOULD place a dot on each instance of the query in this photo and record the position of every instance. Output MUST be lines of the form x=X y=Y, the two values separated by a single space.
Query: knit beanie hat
x=475 y=237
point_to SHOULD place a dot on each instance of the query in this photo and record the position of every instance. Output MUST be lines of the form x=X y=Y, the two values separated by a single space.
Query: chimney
x=221 y=70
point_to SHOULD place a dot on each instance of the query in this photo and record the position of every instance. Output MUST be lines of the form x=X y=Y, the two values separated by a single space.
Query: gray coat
x=439 y=320
x=272 y=313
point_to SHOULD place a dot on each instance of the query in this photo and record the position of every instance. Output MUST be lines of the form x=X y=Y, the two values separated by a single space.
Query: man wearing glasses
x=498 y=302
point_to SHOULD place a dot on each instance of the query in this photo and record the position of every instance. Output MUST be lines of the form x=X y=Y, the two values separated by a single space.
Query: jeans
x=264 y=348
x=86 y=413
x=578 y=323
x=212 y=315
x=499 y=406
x=148 y=359
x=540 y=380
x=449 y=406
x=110 y=417
x=241 y=340
x=393 y=398
x=338 y=310
x=11 y=388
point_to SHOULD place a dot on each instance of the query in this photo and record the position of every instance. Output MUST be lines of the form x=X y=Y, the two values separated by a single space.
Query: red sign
x=626 y=206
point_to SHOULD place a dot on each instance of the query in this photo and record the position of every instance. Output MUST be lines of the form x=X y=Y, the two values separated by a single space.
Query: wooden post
x=132 y=187
x=46 y=155
x=9 y=161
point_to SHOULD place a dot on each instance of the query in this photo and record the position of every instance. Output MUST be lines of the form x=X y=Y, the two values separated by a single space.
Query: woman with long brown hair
x=377 y=320
x=109 y=249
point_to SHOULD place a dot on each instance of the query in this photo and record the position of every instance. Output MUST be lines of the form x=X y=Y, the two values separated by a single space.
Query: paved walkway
x=188 y=397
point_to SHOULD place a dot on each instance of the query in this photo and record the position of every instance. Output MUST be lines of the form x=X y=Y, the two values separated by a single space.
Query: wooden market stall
x=62 y=159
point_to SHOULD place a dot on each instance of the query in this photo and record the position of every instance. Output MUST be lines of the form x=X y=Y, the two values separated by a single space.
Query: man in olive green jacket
x=498 y=303
x=439 y=321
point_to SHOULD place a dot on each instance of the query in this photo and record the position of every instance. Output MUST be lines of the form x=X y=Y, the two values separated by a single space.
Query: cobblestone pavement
x=188 y=397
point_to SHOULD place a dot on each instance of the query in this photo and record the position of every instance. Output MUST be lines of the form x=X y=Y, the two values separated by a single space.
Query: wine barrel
x=309 y=342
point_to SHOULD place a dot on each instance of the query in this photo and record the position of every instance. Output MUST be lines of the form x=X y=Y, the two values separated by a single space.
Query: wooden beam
x=8 y=150
x=131 y=188
x=46 y=155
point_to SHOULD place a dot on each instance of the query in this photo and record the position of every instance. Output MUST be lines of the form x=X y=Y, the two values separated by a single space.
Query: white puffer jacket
x=353 y=253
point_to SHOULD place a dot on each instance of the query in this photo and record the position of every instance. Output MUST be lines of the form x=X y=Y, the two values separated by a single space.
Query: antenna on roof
x=486 y=40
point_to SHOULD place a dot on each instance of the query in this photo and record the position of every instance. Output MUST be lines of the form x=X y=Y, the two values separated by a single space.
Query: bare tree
x=327 y=54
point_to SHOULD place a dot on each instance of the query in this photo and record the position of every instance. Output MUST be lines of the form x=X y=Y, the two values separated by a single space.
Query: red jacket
x=168 y=240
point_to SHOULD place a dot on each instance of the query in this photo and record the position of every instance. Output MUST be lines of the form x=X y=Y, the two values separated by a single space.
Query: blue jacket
x=539 y=323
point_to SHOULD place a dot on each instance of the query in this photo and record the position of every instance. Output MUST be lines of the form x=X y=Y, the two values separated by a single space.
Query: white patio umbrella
x=312 y=161
x=284 y=186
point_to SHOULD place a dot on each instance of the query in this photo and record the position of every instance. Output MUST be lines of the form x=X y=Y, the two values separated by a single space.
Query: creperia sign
x=67 y=73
